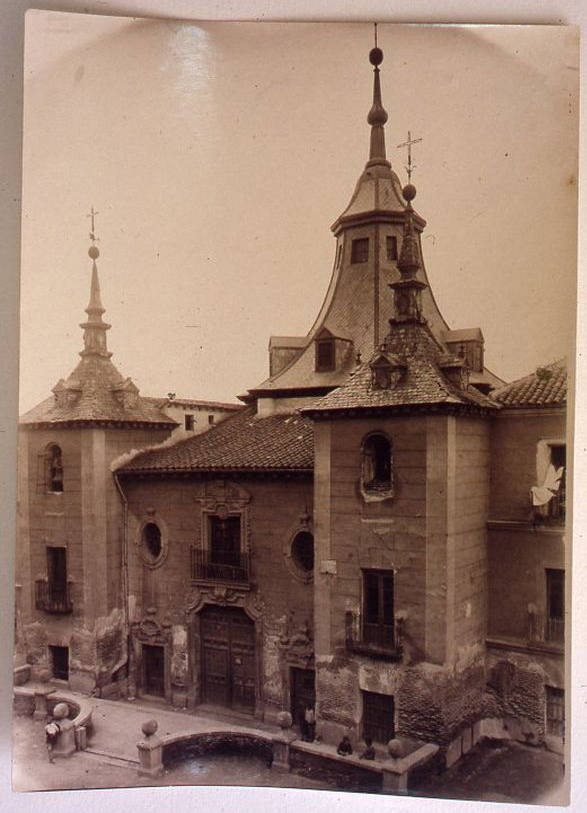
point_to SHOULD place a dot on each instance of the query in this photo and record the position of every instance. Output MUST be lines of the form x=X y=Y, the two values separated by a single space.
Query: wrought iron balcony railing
x=53 y=598
x=377 y=640
x=219 y=566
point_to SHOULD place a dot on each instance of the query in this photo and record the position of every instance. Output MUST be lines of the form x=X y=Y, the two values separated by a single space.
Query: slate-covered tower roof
x=359 y=301
x=96 y=393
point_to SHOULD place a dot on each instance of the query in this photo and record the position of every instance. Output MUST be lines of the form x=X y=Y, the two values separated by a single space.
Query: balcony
x=219 y=566
x=376 y=640
x=53 y=598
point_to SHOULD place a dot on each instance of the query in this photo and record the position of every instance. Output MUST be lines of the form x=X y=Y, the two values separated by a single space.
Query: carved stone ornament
x=387 y=370
x=252 y=603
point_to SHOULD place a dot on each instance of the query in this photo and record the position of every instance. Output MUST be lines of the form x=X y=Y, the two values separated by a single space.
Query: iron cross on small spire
x=410 y=165
x=93 y=214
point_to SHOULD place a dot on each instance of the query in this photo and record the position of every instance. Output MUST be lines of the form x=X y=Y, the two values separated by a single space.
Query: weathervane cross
x=93 y=214
x=410 y=165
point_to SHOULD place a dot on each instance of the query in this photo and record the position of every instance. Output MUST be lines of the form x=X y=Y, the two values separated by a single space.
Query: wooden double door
x=228 y=661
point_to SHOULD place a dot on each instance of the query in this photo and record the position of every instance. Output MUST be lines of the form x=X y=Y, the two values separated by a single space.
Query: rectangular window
x=210 y=419
x=225 y=540
x=325 y=358
x=557 y=505
x=378 y=607
x=189 y=423
x=56 y=570
x=555 y=605
x=555 y=711
x=378 y=717
x=391 y=245
x=59 y=662
x=360 y=250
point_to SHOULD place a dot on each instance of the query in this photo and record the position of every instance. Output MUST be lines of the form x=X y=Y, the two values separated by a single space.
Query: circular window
x=152 y=540
x=302 y=551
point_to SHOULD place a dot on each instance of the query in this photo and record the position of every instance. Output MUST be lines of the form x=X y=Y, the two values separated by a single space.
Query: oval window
x=152 y=539
x=302 y=551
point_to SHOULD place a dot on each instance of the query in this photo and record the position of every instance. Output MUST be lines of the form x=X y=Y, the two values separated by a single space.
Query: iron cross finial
x=410 y=166
x=93 y=214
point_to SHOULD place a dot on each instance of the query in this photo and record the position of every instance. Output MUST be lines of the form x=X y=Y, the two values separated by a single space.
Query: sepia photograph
x=297 y=350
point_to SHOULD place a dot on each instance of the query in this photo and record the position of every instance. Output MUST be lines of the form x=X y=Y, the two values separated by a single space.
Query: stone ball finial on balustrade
x=149 y=727
x=284 y=719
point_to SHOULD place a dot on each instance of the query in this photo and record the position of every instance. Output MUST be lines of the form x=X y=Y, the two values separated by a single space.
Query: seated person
x=344 y=747
x=369 y=752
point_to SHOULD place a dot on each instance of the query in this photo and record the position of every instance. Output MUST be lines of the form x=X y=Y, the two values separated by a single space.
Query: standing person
x=310 y=722
x=52 y=731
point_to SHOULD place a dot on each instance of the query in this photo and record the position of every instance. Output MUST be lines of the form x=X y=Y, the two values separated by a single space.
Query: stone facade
x=86 y=519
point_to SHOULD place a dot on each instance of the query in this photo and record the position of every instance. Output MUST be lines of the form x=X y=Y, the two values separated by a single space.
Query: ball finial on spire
x=376 y=56
x=94 y=252
x=409 y=192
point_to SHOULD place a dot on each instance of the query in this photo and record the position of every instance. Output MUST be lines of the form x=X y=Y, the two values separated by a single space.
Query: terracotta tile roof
x=545 y=387
x=421 y=383
x=244 y=442
x=96 y=392
x=192 y=402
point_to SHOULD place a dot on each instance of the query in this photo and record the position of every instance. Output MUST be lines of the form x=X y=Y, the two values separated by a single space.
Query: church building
x=378 y=531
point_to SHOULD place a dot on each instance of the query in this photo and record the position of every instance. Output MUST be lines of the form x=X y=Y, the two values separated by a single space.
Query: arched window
x=302 y=551
x=53 y=469
x=377 y=465
x=152 y=540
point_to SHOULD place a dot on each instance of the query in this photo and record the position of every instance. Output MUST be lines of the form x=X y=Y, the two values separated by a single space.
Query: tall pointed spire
x=377 y=115
x=94 y=328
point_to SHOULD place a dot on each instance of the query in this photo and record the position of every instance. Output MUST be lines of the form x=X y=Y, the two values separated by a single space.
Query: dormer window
x=325 y=355
x=360 y=250
x=377 y=466
x=391 y=247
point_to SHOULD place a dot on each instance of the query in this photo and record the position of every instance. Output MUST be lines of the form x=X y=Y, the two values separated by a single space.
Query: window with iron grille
x=360 y=250
x=378 y=716
x=555 y=711
x=555 y=605
x=378 y=607
x=391 y=246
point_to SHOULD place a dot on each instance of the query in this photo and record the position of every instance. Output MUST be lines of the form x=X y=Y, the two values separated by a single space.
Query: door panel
x=228 y=658
x=154 y=670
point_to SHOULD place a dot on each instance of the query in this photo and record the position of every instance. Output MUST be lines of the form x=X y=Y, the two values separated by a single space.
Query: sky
x=218 y=155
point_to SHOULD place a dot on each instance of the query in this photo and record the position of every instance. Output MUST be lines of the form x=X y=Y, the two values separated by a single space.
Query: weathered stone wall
x=282 y=601
x=515 y=435
x=470 y=529
x=432 y=534
x=518 y=559
x=86 y=519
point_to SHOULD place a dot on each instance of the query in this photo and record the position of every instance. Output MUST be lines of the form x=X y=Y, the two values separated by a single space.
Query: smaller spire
x=94 y=328
x=377 y=115
x=408 y=289
x=409 y=258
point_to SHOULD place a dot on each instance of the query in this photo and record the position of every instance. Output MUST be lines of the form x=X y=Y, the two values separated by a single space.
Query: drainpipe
x=125 y=659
